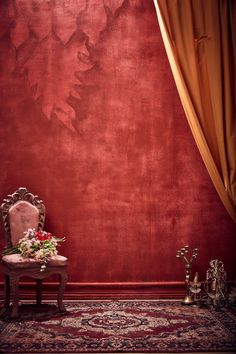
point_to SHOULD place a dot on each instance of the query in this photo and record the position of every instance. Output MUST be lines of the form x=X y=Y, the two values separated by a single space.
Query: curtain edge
x=192 y=118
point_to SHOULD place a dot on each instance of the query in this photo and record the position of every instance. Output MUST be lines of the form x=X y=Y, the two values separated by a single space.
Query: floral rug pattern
x=118 y=326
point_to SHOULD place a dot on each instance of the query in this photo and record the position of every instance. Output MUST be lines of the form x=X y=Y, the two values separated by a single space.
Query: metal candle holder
x=183 y=255
x=215 y=285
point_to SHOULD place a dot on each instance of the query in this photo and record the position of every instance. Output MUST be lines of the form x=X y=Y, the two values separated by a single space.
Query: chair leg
x=14 y=285
x=6 y=291
x=39 y=291
x=62 y=286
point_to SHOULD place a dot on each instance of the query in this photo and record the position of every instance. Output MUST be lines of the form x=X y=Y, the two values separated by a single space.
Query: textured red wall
x=92 y=123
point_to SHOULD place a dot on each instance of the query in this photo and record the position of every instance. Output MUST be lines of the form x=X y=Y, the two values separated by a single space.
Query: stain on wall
x=92 y=123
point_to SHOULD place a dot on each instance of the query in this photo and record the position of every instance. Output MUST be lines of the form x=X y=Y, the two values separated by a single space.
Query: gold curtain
x=200 y=41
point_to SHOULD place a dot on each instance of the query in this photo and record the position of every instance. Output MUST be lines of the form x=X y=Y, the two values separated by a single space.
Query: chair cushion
x=17 y=261
x=22 y=215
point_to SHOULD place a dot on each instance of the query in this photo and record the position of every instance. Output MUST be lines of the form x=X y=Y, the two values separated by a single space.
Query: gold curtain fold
x=200 y=41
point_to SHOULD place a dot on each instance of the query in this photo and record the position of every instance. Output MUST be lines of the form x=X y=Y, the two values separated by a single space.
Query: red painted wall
x=92 y=123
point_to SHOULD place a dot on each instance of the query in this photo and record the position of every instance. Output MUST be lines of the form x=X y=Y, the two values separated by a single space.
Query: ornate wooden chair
x=22 y=210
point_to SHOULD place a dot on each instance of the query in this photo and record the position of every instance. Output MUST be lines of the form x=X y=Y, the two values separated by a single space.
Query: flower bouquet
x=39 y=245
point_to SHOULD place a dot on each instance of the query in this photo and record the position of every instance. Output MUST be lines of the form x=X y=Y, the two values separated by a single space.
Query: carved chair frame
x=24 y=195
x=12 y=276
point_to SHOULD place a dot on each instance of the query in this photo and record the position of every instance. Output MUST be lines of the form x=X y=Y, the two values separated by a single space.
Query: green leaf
x=11 y=250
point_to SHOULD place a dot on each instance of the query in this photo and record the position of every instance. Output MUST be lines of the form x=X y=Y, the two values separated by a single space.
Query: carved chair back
x=21 y=210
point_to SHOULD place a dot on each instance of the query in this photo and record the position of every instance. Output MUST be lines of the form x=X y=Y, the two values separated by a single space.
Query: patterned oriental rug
x=119 y=326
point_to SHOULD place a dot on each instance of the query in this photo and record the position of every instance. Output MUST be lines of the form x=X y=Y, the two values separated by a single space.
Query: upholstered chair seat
x=22 y=211
x=17 y=261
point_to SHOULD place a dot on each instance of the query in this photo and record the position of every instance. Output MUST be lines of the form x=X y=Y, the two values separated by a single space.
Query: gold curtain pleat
x=200 y=41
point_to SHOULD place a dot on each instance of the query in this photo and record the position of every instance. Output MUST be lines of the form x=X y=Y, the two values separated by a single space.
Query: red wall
x=92 y=123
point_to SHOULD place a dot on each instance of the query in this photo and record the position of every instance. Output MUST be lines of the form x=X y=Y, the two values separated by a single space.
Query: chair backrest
x=20 y=211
